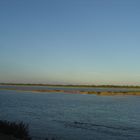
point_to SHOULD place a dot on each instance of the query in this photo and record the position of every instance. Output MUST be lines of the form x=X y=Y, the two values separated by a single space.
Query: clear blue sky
x=70 y=41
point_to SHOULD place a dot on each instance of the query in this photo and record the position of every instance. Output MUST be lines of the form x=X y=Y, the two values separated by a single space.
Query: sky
x=70 y=41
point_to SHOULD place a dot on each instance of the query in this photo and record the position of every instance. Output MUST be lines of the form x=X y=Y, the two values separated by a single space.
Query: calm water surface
x=73 y=116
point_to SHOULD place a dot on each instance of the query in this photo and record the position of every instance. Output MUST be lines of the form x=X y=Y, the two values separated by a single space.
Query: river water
x=73 y=116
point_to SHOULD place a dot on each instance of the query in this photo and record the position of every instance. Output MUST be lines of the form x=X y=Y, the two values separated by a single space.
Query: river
x=73 y=116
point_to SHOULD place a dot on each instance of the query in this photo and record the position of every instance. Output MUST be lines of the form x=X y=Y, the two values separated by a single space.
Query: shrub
x=18 y=130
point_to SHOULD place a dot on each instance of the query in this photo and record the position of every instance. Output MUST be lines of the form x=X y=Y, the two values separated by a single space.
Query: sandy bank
x=101 y=93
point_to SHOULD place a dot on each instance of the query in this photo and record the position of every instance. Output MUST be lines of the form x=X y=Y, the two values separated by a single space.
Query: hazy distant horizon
x=70 y=42
x=66 y=84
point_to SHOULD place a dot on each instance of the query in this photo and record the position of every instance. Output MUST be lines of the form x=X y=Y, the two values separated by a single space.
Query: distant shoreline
x=72 y=85
x=100 y=93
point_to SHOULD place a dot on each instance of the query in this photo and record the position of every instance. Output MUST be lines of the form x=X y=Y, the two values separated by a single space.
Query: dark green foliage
x=18 y=130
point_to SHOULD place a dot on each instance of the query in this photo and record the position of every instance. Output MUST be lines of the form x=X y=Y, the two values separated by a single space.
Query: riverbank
x=101 y=93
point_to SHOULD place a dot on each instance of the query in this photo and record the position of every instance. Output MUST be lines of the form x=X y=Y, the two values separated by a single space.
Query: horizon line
x=87 y=85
